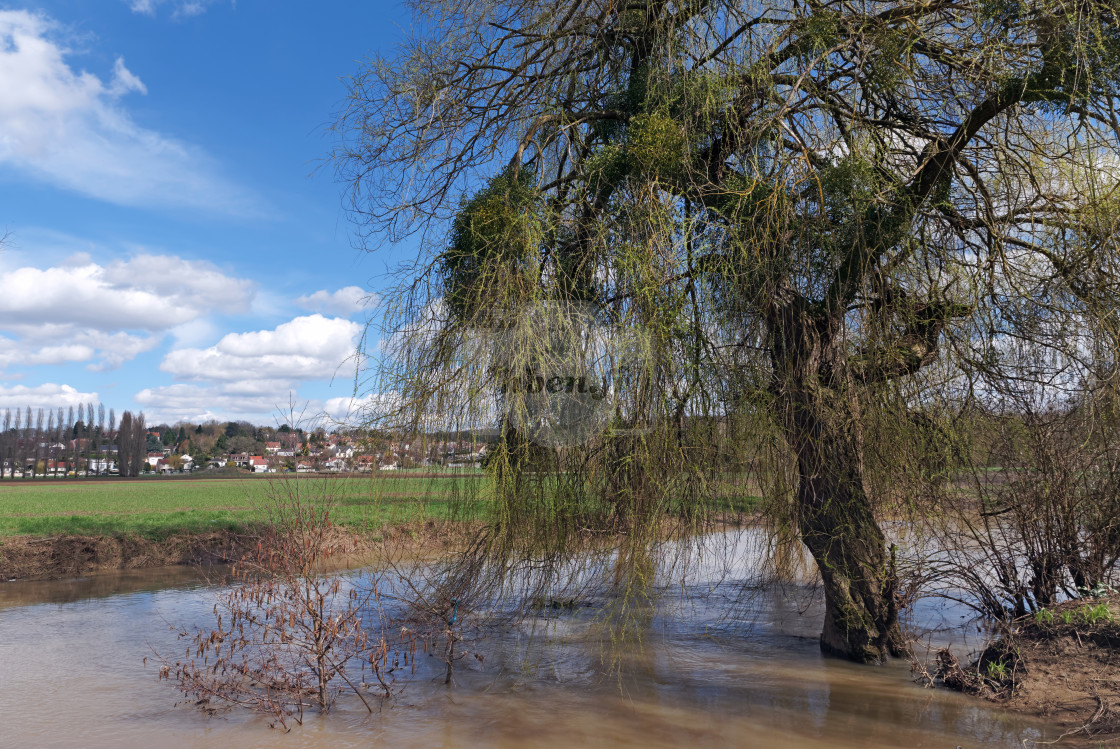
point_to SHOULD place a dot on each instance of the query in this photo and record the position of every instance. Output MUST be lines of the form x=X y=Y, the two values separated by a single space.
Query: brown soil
x=1062 y=667
x=30 y=557
x=58 y=557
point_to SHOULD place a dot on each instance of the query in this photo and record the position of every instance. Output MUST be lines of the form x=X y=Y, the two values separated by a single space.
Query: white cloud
x=196 y=403
x=146 y=7
x=105 y=351
x=68 y=129
x=116 y=348
x=16 y=352
x=195 y=333
x=258 y=401
x=254 y=375
x=344 y=302
x=354 y=410
x=306 y=348
x=146 y=292
x=80 y=311
x=48 y=395
x=193 y=283
x=182 y=8
x=124 y=81
x=61 y=354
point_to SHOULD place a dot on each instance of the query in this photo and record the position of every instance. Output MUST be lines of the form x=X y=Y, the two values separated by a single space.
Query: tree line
x=83 y=441
x=90 y=440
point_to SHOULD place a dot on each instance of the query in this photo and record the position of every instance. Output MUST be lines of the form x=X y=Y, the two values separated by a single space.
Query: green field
x=157 y=507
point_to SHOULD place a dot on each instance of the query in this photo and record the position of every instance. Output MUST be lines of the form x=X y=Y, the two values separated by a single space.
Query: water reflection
x=711 y=672
x=102 y=585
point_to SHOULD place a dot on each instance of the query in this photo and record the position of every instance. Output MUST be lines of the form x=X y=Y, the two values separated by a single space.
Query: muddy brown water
x=72 y=674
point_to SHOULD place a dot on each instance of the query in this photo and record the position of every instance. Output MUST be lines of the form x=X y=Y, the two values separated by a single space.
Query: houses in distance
x=60 y=447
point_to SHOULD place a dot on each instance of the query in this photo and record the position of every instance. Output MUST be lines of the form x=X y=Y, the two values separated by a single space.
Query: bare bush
x=289 y=633
x=1036 y=518
x=295 y=629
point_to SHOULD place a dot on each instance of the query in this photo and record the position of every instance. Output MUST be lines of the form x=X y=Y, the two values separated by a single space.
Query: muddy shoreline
x=65 y=556
x=1061 y=665
x=59 y=557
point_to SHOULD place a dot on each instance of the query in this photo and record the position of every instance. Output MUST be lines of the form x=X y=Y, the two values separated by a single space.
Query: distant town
x=89 y=442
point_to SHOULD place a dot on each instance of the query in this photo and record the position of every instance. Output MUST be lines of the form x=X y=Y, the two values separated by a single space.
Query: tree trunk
x=835 y=518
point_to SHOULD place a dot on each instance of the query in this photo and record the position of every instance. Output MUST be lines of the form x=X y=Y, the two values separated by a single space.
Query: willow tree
x=800 y=204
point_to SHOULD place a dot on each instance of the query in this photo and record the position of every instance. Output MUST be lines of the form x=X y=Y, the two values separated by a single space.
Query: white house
x=335 y=464
x=102 y=466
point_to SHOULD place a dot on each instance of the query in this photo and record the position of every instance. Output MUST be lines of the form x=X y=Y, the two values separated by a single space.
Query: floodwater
x=72 y=674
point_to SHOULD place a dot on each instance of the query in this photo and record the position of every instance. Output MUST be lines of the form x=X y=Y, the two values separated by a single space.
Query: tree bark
x=820 y=415
x=839 y=528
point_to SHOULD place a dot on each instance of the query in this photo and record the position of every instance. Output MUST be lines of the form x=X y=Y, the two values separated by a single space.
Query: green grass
x=1096 y=614
x=158 y=507
x=997 y=671
x=1087 y=614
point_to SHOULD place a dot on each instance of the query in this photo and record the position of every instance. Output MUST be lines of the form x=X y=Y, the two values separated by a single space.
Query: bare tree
x=17 y=445
x=49 y=440
x=111 y=437
x=71 y=451
x=37 y=441
x=91 y=438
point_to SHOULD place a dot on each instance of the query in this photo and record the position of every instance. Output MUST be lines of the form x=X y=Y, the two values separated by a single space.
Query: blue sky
x=173 y=243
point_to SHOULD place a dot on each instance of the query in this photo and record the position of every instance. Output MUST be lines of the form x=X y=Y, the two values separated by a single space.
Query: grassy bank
x=59 y=528
x=65 y=528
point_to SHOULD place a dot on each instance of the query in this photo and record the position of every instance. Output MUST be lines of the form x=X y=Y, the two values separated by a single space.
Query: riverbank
x=66 y=556
x=74 y=673
x=72 y=555
x=66 y=528
x=1062 y=667
x=1061 y=664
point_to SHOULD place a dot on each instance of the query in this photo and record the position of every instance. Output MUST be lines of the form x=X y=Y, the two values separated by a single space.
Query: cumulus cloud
x=104 y=351
x=81 y=311
x=354 y=410
x=16 y=352
x=306 y=348
x=146 y=292
x=115 y=349
x=69 y=129
x=344 y=302
x=48 y=395
x=255 y=374
x=197 y=403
